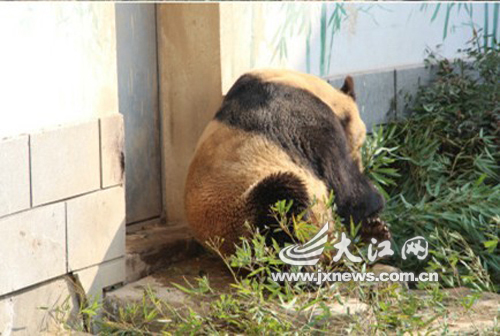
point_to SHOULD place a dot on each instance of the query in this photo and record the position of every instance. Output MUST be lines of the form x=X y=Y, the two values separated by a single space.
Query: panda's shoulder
x=262 y=98
x=340 y=102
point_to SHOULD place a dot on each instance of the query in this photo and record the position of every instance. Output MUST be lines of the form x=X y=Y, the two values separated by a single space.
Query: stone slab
x=112 y=151
x=155 y=246
x=14 y=175
x=95 y=279
x=96 y=228
x=408 y=80
x=39 y=310
x=134 y=292
x=161 y=284
x=65 y=162
x=180 y=272
x=33 y=247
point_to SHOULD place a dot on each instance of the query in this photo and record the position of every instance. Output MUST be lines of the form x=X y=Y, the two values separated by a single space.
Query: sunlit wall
x=331 y=39
x=57 y=64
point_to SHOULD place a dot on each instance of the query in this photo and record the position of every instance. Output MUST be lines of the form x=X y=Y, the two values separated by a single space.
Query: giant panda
x=280 y=134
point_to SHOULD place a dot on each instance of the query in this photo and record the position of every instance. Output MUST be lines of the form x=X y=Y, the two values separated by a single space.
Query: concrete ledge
x=94 y=279
x=408 y=81
x=155 y=246
x=160 y=282
x=382 y=94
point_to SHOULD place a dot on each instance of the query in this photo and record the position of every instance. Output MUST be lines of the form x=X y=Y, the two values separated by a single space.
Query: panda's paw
x=375 y=228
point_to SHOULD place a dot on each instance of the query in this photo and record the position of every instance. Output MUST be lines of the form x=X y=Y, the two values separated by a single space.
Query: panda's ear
x=348 y=87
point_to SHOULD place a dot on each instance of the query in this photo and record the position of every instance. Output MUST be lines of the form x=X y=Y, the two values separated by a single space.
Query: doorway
x=138 y=102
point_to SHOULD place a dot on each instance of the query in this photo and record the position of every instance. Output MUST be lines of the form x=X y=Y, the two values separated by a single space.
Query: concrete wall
x=62 y=211
x=62 y=200
x=332 y=39
x=57 y=65
x=386 y=94
x=190 y=88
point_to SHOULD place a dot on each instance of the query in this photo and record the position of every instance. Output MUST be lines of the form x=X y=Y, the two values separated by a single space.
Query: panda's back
x=295 y=120
x=227 y=165
x=268 y=141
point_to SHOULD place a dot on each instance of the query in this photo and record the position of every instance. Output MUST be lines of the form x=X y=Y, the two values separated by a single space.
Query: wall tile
x=96 y=228
x=95 y=278
x=32 y=247
x=65 y=162
x=14 y=175
x=408 y=81
x=21 y=313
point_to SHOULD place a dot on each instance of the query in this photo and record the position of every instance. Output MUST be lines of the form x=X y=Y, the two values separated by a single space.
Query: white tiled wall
x=33 y=247
x=32 y=311
x=94 y=278
x=95 y=228
x=65 y=162
x=62 y=205
x=14 y=175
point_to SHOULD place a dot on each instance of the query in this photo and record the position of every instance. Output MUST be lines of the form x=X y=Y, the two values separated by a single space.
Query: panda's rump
x=228 y=166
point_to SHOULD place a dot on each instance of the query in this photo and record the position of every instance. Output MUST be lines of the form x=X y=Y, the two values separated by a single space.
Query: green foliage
x=378 y=159
x=447 y=155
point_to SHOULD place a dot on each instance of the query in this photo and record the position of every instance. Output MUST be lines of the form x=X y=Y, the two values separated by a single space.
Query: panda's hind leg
x=273 y=188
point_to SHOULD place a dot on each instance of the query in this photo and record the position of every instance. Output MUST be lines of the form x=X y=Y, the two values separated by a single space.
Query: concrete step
x=155 y=246
x=161 y=284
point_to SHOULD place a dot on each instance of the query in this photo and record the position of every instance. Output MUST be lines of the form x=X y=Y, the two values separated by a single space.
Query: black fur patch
x=309 y=132
x=274 y=188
